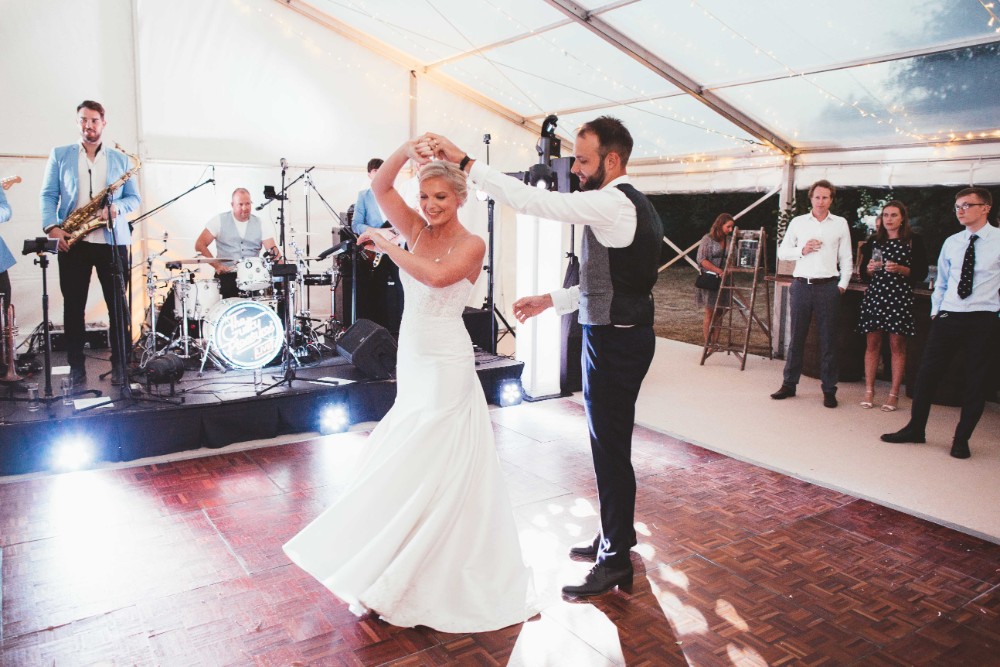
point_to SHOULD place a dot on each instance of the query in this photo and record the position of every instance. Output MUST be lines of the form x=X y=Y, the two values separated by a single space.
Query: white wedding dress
x=425 y=534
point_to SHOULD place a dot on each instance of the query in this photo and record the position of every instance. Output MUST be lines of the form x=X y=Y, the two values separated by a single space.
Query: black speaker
x=370 y=348
x=477 y=323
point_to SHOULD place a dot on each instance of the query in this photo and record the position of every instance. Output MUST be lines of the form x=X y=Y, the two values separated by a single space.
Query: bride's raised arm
x=406 y=221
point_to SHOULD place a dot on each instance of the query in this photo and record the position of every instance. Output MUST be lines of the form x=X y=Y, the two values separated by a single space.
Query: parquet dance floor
x=180 y=563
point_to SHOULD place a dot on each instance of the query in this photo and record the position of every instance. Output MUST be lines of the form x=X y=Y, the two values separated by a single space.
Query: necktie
x=968 y=264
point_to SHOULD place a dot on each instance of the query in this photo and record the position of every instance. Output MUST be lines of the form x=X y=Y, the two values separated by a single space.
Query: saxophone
x=84 y=219
x=8 y=329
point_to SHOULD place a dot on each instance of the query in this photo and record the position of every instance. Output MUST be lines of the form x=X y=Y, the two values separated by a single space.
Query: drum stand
x=304 y=333
x=184 y=285
x=145 y=348
x=286 y=274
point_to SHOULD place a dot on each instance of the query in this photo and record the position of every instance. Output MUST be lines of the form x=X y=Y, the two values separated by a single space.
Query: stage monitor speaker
x=477 y=323
x=370 y=348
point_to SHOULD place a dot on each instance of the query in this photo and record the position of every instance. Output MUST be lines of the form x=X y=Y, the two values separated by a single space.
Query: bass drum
x=243 y=333
x=252 y=275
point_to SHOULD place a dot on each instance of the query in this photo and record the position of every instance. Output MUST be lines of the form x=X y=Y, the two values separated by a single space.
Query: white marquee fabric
x=864 y=93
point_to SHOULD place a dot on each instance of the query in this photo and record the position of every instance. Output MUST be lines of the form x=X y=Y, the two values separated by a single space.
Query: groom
x=619 y=259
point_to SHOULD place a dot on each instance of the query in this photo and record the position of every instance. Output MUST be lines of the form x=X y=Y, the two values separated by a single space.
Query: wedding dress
x=425 y=534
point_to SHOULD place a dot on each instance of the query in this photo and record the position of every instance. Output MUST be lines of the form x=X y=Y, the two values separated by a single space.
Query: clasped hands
x=431 y=146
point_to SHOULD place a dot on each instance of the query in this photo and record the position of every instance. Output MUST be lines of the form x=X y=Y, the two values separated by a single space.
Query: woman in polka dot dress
x=887 y=306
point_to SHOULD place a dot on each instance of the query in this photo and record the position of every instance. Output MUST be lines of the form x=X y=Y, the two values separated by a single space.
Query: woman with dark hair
x=891 y=264
x=712 y=257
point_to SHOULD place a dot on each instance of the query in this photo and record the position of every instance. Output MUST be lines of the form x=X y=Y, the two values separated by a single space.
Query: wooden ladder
x=725 y=335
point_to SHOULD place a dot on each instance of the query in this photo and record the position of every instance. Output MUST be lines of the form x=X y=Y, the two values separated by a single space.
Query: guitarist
x=74 y=175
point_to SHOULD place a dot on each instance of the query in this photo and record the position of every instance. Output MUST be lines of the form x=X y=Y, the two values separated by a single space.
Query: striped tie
x=968 y=264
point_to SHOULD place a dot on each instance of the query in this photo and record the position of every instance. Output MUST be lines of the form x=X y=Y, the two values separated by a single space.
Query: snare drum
x=199 y=296
x=243 y=333
x=252 y=275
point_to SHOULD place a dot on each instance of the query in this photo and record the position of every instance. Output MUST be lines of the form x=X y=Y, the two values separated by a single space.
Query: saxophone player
x=74 y=175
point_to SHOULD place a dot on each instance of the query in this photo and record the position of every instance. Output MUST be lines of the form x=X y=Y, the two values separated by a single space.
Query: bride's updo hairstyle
x=449 y=172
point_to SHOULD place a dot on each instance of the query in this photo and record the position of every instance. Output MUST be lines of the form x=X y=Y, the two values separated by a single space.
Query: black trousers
x=5 y=291
x=971 y=336
x=75 y=269
x=821 y=301
x=615 y=361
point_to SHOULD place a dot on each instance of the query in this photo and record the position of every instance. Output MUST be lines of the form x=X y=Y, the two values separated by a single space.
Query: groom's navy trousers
x=615 y=361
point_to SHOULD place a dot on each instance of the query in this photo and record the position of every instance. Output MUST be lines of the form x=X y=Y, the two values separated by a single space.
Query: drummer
x=237 y=235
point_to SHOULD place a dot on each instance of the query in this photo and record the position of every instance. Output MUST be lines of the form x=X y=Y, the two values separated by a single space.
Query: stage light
x=334 y=419
x=542 y=177
x=510 y=393
x=72 y=453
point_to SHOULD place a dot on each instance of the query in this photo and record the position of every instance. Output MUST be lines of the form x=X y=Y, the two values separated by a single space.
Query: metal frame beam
x=392 y=54
x=608 y=33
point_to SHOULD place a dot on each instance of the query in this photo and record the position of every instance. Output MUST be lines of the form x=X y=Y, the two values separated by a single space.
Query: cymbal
x=201 y=260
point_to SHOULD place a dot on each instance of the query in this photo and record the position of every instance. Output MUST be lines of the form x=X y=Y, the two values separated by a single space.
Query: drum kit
x=247 y=332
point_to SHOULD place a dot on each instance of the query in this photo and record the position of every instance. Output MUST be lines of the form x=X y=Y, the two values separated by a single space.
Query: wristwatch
x=466 y=160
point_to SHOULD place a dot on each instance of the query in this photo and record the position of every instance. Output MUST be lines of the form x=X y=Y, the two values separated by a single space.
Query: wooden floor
x=180 y=563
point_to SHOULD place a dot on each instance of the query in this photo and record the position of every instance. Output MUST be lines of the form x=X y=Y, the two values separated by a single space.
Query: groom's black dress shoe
x=905 y=434
x=588 y=550
x=601 y=579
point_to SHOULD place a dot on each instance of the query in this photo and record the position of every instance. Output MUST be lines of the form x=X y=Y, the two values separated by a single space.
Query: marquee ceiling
x=707 y=77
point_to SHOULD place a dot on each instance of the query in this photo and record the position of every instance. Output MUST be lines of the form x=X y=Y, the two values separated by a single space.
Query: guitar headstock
x=6 y=183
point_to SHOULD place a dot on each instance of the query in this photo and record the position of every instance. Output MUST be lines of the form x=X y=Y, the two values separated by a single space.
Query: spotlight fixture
x=510 y=393
x=334 y=419
x=542 y=177
x=72 y=453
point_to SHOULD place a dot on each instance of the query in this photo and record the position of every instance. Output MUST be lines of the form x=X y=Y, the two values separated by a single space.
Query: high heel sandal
x=890 y=405
x=869 y=397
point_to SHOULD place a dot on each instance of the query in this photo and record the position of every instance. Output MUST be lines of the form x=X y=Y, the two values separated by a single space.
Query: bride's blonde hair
x=451 y=173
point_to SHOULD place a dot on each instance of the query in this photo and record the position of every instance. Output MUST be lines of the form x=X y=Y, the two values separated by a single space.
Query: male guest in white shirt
x=964 y=308
x=820 y=245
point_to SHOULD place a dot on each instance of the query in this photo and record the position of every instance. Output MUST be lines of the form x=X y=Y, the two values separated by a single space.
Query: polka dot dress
x=888 y=302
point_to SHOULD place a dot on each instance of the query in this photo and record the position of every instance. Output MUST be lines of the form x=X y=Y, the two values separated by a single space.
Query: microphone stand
x=489 y=306
x=48 y=399
x=312 y=186
x=121 y=326
x=148 y=214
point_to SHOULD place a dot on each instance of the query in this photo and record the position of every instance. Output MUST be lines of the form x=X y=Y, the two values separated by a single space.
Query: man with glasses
x=964 y=320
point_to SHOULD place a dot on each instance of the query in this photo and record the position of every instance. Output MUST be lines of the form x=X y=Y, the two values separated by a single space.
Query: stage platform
x=212 y=410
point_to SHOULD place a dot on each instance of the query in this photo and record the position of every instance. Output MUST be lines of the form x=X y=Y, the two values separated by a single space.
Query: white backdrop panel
x=245 y=81
x=66 y=51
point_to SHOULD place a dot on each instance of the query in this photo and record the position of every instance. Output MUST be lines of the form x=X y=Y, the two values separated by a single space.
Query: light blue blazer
x=6 y=259
x=60 y=189
x=366 y=212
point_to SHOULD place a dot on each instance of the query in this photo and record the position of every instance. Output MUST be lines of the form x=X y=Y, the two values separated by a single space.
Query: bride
x=425 y=534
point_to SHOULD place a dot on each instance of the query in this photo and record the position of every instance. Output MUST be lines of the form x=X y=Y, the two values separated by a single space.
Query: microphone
x=284 y=164
x=262 y=204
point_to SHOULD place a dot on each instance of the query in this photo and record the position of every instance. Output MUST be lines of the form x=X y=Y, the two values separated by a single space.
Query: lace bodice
x=424 y=300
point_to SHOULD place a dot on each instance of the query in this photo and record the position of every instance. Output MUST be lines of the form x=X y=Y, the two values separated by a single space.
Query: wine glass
x=877 y=259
